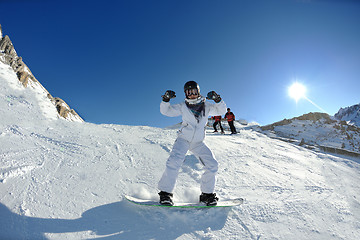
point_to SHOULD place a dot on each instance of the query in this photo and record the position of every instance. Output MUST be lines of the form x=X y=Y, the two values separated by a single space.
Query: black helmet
x=191 y=85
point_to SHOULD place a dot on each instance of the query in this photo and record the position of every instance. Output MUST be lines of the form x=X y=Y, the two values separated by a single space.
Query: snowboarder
x=217 y=121
x=195 y=111
x=230 y=118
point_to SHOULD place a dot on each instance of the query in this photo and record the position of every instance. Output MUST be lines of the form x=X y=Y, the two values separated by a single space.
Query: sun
x=297 y=91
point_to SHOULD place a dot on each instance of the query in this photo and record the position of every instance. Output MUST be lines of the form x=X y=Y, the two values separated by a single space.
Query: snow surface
x=67 y=180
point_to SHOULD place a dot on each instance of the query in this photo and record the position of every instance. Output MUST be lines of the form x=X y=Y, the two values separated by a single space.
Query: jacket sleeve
x=218 y=108
x=170 y=110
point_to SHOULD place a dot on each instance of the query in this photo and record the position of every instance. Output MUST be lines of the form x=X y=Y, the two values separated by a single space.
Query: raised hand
x=213 y=96
x=169 y=94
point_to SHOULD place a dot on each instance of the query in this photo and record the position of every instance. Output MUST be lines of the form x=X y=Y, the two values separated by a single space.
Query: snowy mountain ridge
x=317 y=131
x=349 y=114
x=9 y=57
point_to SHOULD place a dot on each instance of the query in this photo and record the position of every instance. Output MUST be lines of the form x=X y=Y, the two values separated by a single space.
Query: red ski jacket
x=217 y=118
x=230 y=116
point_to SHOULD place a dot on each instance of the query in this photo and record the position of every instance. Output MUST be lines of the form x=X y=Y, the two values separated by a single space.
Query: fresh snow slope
x=66 y=180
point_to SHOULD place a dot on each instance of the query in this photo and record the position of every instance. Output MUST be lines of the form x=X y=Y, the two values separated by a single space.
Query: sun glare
x=297 y=91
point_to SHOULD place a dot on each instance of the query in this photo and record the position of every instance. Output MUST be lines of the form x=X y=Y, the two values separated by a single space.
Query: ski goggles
x=192 y=91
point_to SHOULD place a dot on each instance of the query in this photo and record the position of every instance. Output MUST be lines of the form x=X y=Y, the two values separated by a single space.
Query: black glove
x=168 y=95
x=214 y=96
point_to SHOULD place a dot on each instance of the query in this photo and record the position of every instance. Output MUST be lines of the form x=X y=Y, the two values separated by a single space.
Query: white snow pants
x=176 y=159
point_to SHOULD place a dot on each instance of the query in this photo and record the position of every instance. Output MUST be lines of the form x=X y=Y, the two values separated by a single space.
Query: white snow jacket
x=191 y=129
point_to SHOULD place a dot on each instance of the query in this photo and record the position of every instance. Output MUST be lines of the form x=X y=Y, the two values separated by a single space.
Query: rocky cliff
x=349 y=114
x=9 y=56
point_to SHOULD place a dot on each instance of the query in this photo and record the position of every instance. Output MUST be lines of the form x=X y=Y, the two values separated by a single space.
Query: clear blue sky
x=112 y=60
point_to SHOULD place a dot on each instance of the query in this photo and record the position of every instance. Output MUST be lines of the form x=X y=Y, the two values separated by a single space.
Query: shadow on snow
x=116 y=220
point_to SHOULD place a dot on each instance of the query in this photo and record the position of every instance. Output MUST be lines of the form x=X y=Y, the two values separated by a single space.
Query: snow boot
x=166 y=198
x=209 y=199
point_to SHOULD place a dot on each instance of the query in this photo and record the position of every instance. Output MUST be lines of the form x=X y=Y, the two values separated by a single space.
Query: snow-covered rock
x=349 y=114
x=9 y=57
x=317 y=129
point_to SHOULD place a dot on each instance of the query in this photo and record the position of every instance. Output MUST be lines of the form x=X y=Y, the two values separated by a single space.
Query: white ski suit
x=190 y=137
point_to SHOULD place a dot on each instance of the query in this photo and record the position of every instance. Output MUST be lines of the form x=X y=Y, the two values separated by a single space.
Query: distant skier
x=217 y=121
x=230 y=118
x=195 y=111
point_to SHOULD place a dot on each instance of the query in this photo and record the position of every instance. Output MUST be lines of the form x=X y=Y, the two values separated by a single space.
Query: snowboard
x=152 y=203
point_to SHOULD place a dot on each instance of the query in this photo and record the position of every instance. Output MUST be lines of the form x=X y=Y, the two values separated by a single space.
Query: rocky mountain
x=318 y=131
x=9 y=56
x=349 y=114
